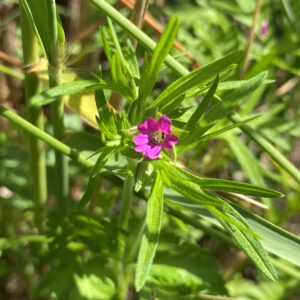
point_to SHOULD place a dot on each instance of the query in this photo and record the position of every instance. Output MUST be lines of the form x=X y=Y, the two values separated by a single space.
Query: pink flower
x=264 y=27
x=154 y=136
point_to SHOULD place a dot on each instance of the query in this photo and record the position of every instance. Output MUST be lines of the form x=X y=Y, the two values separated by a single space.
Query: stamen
x=157 y=137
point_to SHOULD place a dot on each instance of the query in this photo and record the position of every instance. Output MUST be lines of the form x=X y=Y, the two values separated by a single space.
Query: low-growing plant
x=149 y=147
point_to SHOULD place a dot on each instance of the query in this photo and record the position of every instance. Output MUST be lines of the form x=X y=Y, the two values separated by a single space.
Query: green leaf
x=227 y=219
x=151 y=233
x=105 y=43
x=222 y=109
x=173 y=178
x=127 y=57
x=223 y=185
x=193 y=121
x=195 y=78
x=249 y=243
x=117 y=72
x=132 y=61
x=90 y=189
x=273 y=238
x=169 y=108
x=233 y=85
x=143 y=175
x=114 y=37
x=229 y=102
x=78 y=86
x=151 y=70
x=213 y=134
x=75 y=87
x=246 y=237
x=103 y=157
x=105 y=119
x=278 y=157
x=92 y=287
x=246 y=159
x=94 y=176
x=31 y=15
x=183 y=269
x=123 y=121
x=242 y=288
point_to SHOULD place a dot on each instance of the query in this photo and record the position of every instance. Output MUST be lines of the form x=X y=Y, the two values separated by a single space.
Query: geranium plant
x=151 y=143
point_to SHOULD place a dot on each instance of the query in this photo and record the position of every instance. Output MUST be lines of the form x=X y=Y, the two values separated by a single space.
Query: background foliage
x=80 y=228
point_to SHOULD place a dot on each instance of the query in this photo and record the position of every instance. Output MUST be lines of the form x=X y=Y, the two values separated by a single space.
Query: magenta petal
x=151 y=125
x=142 y=148
x=148 y=126
x=141 y=139
x=153 y=152
x=264 y=27
x=154 y=136
x=170 y=140
x=142 y=128
x=164 y=124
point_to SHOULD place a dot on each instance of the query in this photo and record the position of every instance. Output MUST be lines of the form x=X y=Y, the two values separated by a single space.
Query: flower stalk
x=55 y=58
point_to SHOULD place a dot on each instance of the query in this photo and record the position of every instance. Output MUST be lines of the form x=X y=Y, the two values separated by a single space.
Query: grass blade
x=278 y=157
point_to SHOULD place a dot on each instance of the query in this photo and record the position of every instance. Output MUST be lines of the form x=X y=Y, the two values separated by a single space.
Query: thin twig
x=153 y=23
x=287 y=86
x=214 y=297
x=248 y=200
x=10 y=58
x=138 y=12
x=251 y=38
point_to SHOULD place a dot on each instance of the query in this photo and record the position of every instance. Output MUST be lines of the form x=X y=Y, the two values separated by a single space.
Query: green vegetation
x=139 y=163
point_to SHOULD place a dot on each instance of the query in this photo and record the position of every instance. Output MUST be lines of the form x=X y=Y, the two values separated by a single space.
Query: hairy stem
x=62 y=183
x=122 y=266
x=55 y=79
x=36 y=117
x=45 y=137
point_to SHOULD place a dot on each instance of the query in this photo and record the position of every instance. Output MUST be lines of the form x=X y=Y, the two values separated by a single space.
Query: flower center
x=157 y=137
